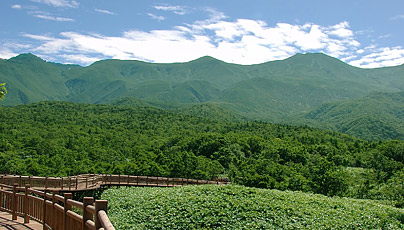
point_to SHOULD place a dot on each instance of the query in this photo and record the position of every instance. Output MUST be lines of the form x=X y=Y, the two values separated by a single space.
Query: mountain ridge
x=275 y=91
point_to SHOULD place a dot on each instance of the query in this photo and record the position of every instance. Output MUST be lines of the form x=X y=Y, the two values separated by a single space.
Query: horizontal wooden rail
x=52 y=210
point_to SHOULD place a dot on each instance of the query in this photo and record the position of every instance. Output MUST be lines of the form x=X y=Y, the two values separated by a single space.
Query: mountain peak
x=310 y=55
x=206 y=59
x=26 y=57
x=306 y=58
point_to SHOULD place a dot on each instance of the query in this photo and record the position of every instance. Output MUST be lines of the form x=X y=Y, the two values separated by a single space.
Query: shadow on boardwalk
x=7 y=223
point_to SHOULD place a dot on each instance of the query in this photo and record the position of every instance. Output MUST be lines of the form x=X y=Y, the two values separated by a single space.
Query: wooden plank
x=5 y=220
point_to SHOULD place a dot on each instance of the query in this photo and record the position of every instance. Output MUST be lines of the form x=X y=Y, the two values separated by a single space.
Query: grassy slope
x=237 y=207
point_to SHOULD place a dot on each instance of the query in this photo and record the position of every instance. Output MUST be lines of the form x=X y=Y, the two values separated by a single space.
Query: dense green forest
x=61 y=138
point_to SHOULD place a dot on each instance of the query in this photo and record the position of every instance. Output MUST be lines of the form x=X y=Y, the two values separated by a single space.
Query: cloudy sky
x=363 y=33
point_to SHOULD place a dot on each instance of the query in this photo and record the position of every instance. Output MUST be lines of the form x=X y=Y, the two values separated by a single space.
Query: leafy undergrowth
x=239 y=207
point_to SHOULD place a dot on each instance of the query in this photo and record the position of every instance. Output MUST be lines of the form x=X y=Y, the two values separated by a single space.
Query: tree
x=3 y=90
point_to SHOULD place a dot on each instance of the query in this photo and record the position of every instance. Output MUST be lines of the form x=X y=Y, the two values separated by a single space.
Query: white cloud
x=243 y=41
x=52 y=18
x=384 y=36
x=59 y=3
x=380 y=57
x=80 y=58
x=397 y=17
x=158 y=18
x=6 y=49
x=104 y=11
x=16 y=6
x=180 y=10
x=6 y=53
x=341 y=30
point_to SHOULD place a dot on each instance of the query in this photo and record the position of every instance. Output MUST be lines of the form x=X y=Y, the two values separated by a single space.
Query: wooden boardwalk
x=86 y=182
x=6 y=223
x=36 y=201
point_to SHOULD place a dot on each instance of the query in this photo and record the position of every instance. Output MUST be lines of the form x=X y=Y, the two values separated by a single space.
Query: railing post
x=20 y=182
x=53 y=211
x=26 y=205
x=87 y=215
x=46 y=183
x=77 y=181
x=14 y=202
x=67 y=207
x=44 y=208
x=86 y=182
x=119 y=178
x=99 y=205
x=62 y=183
x=1 y=200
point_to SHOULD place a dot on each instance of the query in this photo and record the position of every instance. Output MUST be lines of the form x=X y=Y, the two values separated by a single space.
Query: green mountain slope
x=374 y=117
x=30 y=79
x=269 y=91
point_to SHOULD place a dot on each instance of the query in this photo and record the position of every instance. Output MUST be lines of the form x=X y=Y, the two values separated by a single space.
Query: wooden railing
x=34 y=200
x=94 y=181
x=52 y=210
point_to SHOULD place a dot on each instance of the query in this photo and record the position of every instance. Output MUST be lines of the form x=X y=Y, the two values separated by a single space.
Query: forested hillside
x=374 y=117
x=60 y=138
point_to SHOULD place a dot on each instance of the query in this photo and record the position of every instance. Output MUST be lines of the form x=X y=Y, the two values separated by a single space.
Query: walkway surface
x=7 y=223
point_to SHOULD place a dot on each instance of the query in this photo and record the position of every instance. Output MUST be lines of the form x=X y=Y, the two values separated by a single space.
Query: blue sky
x=363 y=33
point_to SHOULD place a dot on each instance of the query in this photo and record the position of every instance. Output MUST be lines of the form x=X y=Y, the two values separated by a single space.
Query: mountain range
x=311 y=88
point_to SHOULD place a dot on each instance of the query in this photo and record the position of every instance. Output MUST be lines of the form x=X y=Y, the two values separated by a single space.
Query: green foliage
x=3 y=91
x=59 y=138
x=238 y=207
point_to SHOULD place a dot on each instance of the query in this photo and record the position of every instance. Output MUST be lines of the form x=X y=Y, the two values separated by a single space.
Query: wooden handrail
x=94 y=181
x=47 y=208
x=105 y=222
